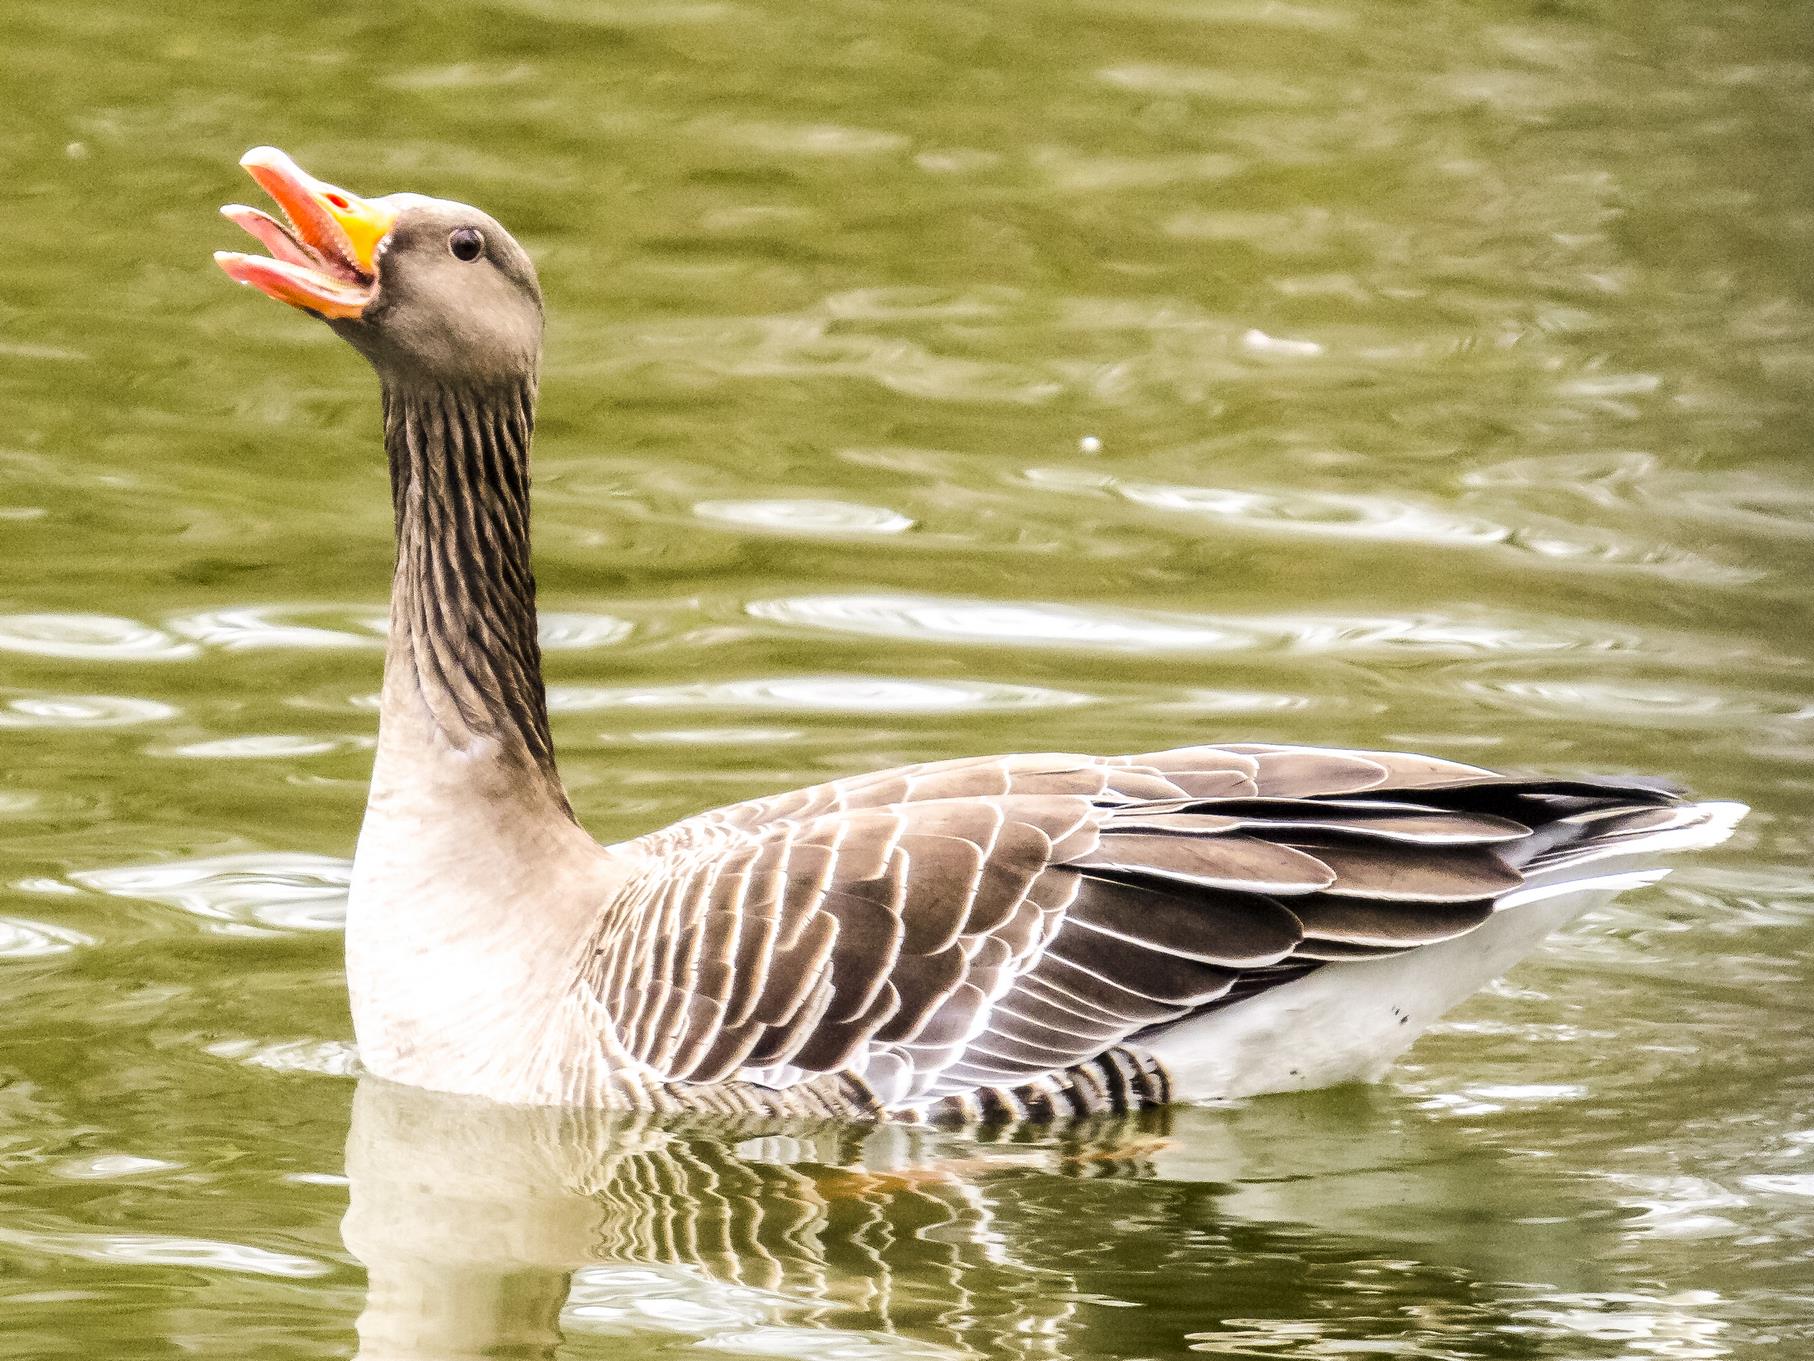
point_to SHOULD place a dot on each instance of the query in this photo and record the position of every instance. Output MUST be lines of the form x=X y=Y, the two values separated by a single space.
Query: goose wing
x=977 y=925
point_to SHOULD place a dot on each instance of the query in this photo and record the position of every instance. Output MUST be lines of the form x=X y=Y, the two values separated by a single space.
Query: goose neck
x=463 y=672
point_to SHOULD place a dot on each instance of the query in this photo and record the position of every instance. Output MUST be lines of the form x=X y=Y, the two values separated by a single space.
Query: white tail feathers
x=1621 y=862
x=1346 y=1022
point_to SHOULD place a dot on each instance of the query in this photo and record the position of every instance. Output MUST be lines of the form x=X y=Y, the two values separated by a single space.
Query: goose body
x=1008 y=936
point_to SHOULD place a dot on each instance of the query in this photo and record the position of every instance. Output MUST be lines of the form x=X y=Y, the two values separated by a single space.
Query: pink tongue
x=269 y=231
x=300 y=285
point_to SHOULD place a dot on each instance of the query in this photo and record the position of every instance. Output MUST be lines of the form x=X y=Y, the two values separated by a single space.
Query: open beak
x=326 y=260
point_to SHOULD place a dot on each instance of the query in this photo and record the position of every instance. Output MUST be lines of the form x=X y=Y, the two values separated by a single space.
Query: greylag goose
x=1019 y=936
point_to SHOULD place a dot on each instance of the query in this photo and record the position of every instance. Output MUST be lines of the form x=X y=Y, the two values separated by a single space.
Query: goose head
x=428 y=290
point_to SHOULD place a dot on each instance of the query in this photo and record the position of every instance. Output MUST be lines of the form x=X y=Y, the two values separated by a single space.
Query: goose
x=1017 y=937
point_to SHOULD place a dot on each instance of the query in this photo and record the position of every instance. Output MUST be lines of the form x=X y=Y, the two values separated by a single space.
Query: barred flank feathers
x=991 y=938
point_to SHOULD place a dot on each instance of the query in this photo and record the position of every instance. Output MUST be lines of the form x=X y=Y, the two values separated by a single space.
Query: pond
x=923 y=380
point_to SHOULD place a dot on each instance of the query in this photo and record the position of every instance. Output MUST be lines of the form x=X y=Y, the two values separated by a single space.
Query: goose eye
x=466 y=243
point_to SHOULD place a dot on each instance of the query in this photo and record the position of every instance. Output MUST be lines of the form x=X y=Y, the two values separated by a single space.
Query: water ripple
x=573 y=631
x=1258 y=342
x=329 y=1058
x=89 y=637
x=919 y=303
x=1625 y=698
x=463 y=75
x=285 y=891
x=144 y=1249
x=1797 y=1184
x=254 y=746
x=1675 y=1326
x=720 y=1316
x=1393 y=519
x=108 y=1166
x=615 y=14
x=1070 y=171
x=1250 y=702
x=804 y=516
x=805 y=139
x=817 y=345
x=817 y=694
x=998 y=622
x=82 y=711
x=1600 y=476
x=21 y=939
x=1486 y=1098
x=1753 y=504
x=1038 y=624
x=1679 y=1206
x=257 y=626
x=301 y=626
x=709 y=737
x=1336 y=514
x=1201 y=82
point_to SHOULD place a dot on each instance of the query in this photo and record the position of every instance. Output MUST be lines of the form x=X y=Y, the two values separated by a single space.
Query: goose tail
x=1618 y=856
x=1348 y=1021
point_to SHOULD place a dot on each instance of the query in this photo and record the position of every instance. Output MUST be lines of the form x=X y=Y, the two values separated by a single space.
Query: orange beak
x=326 y=260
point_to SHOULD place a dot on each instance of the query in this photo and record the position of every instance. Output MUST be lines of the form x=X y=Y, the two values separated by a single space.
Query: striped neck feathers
x=463 y=640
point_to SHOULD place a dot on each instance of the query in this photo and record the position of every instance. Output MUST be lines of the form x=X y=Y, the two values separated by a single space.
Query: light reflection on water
x=294 y=892
x=922 y=381
x=89 y=638
x=815 y=694
x=804 y=517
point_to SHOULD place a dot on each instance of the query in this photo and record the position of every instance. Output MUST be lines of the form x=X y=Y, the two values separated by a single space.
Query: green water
x=923 y=379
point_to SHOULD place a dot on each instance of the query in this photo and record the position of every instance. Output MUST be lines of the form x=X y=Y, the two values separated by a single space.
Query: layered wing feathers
x=982 y=923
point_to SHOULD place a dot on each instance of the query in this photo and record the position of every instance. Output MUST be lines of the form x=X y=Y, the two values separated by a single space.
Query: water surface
x=922 y=380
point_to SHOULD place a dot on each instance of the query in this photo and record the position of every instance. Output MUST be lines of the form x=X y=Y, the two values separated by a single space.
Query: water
x=922 y=380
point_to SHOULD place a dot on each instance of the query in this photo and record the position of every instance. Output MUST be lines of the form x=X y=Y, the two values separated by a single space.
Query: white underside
x=1347 y=1022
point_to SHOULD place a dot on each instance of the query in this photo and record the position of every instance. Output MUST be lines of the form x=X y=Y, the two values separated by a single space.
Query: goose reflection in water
x=487 y=1230
x=473 y=1219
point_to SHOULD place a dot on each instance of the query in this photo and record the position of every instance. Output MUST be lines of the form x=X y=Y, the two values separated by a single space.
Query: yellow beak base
x=326 y=260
